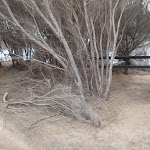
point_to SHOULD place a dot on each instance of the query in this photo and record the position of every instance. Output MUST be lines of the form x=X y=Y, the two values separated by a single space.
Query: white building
x=4 y=53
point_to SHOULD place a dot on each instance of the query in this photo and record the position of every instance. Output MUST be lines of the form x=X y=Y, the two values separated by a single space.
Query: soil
x=127 y=120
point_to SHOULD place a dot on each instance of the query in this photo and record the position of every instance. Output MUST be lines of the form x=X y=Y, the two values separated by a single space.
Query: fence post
x=126 y=65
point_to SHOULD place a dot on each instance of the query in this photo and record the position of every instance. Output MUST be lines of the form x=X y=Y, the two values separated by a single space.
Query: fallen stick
x=4 y=97
x=33 y=123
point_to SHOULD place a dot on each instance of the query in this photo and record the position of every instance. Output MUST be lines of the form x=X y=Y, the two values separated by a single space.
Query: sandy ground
x=127 y=122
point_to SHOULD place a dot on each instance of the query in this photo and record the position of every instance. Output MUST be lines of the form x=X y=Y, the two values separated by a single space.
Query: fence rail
x=126 y=59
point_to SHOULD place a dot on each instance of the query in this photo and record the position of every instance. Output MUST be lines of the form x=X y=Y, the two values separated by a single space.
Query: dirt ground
x=127 y=121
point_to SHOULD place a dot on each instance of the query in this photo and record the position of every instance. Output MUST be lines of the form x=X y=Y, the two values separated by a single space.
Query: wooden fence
x=126 y=65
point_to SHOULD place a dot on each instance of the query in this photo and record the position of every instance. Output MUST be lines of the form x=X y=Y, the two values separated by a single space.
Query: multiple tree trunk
x=79 y=34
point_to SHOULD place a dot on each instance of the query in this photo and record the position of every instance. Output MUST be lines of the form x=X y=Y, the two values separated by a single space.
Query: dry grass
x=26 y=91
x=127 y=123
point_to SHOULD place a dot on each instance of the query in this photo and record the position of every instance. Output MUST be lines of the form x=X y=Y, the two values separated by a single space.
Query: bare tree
x=137 y=30
x=79 y=34
x=145 y=2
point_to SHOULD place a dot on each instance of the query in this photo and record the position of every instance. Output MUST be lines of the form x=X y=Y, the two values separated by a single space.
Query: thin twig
x=33 y=123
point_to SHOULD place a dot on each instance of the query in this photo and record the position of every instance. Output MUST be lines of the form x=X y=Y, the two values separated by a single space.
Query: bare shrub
x=60 y=98
x=78 y=34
